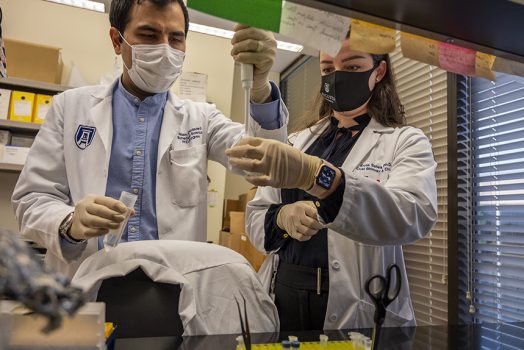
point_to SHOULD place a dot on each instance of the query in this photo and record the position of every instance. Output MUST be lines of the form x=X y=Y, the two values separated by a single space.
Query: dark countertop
x=478 y=336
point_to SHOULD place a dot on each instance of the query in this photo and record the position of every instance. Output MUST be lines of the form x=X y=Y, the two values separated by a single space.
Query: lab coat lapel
x=365 y=143
x=102 y=116
x=308 y=136
x=170 y=125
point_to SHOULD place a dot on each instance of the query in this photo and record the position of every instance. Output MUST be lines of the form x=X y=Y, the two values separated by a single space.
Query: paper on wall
x=371 y=38
x=419 y=48
x=504 y=65
x=312 y=27
x=484 y=65
x=193 y=86
x=456 y=59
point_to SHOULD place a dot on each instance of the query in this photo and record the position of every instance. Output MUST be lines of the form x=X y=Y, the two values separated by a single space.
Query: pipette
x=246 y=76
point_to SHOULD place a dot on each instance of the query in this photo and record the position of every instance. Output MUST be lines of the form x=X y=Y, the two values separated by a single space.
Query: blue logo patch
x=84 y=136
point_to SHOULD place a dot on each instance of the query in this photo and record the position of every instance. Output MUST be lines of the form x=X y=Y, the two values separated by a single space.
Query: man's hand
x=96 y=215
x=257 y=47
x=299 y=220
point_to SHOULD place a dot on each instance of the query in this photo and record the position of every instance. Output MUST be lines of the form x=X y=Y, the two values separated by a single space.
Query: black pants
x=301 y=304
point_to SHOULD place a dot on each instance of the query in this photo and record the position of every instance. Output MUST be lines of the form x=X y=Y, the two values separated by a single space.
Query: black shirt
x=333 y=145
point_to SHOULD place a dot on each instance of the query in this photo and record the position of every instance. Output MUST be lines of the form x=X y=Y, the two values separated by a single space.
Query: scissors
x=244 y=324
x=382 y=297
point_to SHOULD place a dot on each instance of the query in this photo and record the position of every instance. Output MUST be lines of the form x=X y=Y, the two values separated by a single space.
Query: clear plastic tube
x=112 y=239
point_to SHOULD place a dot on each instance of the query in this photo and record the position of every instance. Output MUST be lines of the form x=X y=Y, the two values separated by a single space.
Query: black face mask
x=346 y=91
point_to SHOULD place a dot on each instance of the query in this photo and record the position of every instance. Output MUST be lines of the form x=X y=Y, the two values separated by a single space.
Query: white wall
x=84 y=39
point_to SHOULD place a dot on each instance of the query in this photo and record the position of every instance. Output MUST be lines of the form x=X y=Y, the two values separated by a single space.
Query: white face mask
x=154 y=68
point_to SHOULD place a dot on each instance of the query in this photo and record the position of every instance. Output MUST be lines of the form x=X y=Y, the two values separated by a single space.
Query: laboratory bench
x=475 y=336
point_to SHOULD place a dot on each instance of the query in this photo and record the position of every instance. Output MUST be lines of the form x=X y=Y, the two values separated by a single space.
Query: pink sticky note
x=456 y=59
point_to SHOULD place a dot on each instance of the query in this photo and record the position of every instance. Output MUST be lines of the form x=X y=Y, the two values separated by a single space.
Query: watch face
x=326 y=177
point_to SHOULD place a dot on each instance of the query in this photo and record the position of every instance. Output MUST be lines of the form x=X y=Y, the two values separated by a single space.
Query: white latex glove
x=299 y=220
x=96 y=215
x=279 y=165
x=257 y=47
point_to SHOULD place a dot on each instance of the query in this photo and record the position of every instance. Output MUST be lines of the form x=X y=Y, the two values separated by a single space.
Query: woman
x=345 y=196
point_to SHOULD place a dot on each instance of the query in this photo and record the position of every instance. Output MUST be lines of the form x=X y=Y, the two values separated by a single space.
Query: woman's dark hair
x=384 y=105
x=119 y=12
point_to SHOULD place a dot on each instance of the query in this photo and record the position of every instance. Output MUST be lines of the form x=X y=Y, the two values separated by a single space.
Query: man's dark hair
x=119 y=12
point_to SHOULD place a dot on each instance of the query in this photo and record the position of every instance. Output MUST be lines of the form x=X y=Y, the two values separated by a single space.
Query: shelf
x=489 y=26
x=19 y=126
x=11 y=167
x=31 y=85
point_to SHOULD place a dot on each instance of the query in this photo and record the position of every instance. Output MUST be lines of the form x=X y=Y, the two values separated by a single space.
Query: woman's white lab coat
x=70 y=159
x=390 y=199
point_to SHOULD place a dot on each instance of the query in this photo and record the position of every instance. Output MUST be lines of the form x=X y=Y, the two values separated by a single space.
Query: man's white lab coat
x=210 y=277
x=70 y=159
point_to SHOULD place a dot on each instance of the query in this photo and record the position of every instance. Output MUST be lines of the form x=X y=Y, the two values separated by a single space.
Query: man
x=135 y=136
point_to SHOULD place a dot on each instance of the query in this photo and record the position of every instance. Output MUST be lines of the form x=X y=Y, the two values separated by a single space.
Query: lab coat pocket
x=393 y=319
x=188 y=170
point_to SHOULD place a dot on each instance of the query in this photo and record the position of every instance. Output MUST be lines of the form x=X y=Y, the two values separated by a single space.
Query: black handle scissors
x=383 y=296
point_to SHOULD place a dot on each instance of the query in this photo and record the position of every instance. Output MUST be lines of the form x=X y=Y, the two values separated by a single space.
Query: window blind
x=491 y=202
x=423 y=92
x=300 y=85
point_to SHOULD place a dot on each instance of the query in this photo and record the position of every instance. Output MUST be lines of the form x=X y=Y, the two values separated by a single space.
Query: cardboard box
x=33 y=61
x=5 y=137
x=229 y=206
x=21 y=106
x=243 y=201
x=230 y=240
x=5 y=97
x=237 y=219
x=13 y=155
x=42 y=106
x=251 y=194
x=240 y=243
x=22 y=141
x=249 y=251
x=223 y=238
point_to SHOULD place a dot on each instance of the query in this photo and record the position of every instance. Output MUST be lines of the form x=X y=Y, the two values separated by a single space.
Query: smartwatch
x=324 y=179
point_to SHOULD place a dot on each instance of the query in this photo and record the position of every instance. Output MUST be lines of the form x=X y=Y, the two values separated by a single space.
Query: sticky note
x=419 y=48
x=484 y=65
x=371 y=38
x=456 y=59
x=315 y=28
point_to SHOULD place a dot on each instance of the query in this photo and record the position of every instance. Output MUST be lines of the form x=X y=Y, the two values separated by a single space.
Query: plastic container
x=112 y=239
